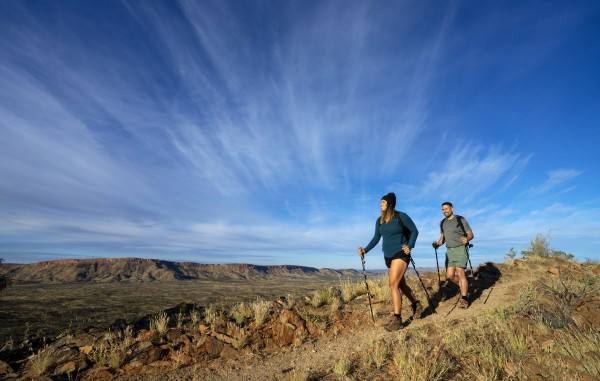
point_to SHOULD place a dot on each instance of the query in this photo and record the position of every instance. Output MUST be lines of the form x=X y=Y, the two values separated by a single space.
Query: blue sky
x=266 y=132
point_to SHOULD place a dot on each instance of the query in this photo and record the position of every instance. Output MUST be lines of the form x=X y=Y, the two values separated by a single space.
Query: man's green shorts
x=456 y=257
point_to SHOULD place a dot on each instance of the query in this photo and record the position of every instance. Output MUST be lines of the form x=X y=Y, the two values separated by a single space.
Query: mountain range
x=150 y=270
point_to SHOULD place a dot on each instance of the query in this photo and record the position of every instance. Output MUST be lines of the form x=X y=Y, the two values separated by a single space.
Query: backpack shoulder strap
x=458 y=221
x=460 y=224
x=397 y=216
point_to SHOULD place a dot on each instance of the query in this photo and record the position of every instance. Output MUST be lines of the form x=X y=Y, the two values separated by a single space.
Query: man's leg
x=462 y=281
x=451 y=274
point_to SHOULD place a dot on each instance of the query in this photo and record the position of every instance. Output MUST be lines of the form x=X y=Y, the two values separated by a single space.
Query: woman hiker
x=396 y=248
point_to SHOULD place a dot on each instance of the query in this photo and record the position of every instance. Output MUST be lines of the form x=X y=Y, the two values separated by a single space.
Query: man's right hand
x=435 y=245
x=361 y=251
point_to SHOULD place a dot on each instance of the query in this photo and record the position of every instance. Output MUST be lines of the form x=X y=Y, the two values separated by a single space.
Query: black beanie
x=390 y=198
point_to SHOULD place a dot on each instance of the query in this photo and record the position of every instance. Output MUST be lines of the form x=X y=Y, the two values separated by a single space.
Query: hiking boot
x=394 y=324
x=463 y=303
x=417 y=309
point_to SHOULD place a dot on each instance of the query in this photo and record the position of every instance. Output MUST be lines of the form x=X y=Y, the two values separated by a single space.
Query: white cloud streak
x=556 y=178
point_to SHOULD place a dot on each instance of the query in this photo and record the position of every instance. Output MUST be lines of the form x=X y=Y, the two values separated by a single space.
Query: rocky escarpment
x=149 y=270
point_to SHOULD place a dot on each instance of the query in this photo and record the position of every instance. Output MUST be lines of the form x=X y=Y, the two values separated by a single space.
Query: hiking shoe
x=417 y=309
x=463 y=303
x=394 y=324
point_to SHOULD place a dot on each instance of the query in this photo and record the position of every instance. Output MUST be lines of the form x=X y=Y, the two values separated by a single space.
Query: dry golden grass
x=159 y=323
x=43 y=360
x=422 y=361
x=344 y=365
x=241 y=312
x=214 y=315
x=261 y=310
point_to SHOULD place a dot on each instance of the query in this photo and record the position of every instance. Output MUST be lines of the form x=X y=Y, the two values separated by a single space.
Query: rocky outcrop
x=189 y=334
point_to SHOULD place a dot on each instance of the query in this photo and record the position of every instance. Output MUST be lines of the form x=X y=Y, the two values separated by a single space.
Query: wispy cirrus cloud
x=468 y=171
x=554 y=182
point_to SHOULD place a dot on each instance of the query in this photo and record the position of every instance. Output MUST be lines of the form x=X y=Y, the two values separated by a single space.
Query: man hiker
x=456 y=233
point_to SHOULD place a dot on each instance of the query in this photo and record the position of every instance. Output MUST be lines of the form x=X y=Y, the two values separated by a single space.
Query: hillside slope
x=524 y=319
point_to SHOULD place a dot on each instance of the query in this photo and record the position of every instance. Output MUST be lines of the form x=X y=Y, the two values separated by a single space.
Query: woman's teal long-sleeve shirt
x=393 y=235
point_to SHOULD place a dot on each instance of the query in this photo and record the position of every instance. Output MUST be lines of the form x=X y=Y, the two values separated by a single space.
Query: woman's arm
x=375 y=239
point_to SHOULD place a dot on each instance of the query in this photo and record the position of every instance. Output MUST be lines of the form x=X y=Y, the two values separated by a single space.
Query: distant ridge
x=151 y=270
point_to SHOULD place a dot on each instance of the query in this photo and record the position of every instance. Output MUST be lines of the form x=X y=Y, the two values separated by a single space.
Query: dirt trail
x=318 y=357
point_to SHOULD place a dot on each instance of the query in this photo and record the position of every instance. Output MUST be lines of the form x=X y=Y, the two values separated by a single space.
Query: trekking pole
x=362 y=259
x=467 y=246
x=438 y=269
x=475 y=278
x=423 y=284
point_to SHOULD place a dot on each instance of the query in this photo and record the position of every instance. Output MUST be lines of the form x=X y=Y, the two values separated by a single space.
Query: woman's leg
x=406 y=290
x=396 y=272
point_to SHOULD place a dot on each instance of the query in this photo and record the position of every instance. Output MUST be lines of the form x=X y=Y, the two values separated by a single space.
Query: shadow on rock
x=484 y=277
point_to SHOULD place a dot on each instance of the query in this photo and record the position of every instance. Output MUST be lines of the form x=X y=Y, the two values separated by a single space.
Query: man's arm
x=440 y=242
x=468 y=231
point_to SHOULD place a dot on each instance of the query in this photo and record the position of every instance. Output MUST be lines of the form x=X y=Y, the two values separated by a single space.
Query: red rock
x=68 y=367
x=100 y=373
x=181 y=358
x=86 y=349
x=213 y=347
x=229 y=352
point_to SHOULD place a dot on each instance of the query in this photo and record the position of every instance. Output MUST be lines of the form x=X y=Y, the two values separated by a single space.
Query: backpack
x=405 y=231
x=458 y=221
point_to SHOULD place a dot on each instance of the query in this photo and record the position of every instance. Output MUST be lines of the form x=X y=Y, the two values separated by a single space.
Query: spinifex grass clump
x=344 y=365
x=422 y=360
x=380 y=288
x=379 y=352
x=214 y=315
x=350 y=290
x=159 y=323
x=241 y=312
x=325 y=296
x=261 y=310
x=41 y=362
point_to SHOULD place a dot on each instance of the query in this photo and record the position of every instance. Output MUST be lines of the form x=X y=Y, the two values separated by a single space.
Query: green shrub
x=540 y=247
x=511 y=254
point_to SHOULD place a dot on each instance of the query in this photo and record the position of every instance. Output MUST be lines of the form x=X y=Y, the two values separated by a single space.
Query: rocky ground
x=336 y=339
